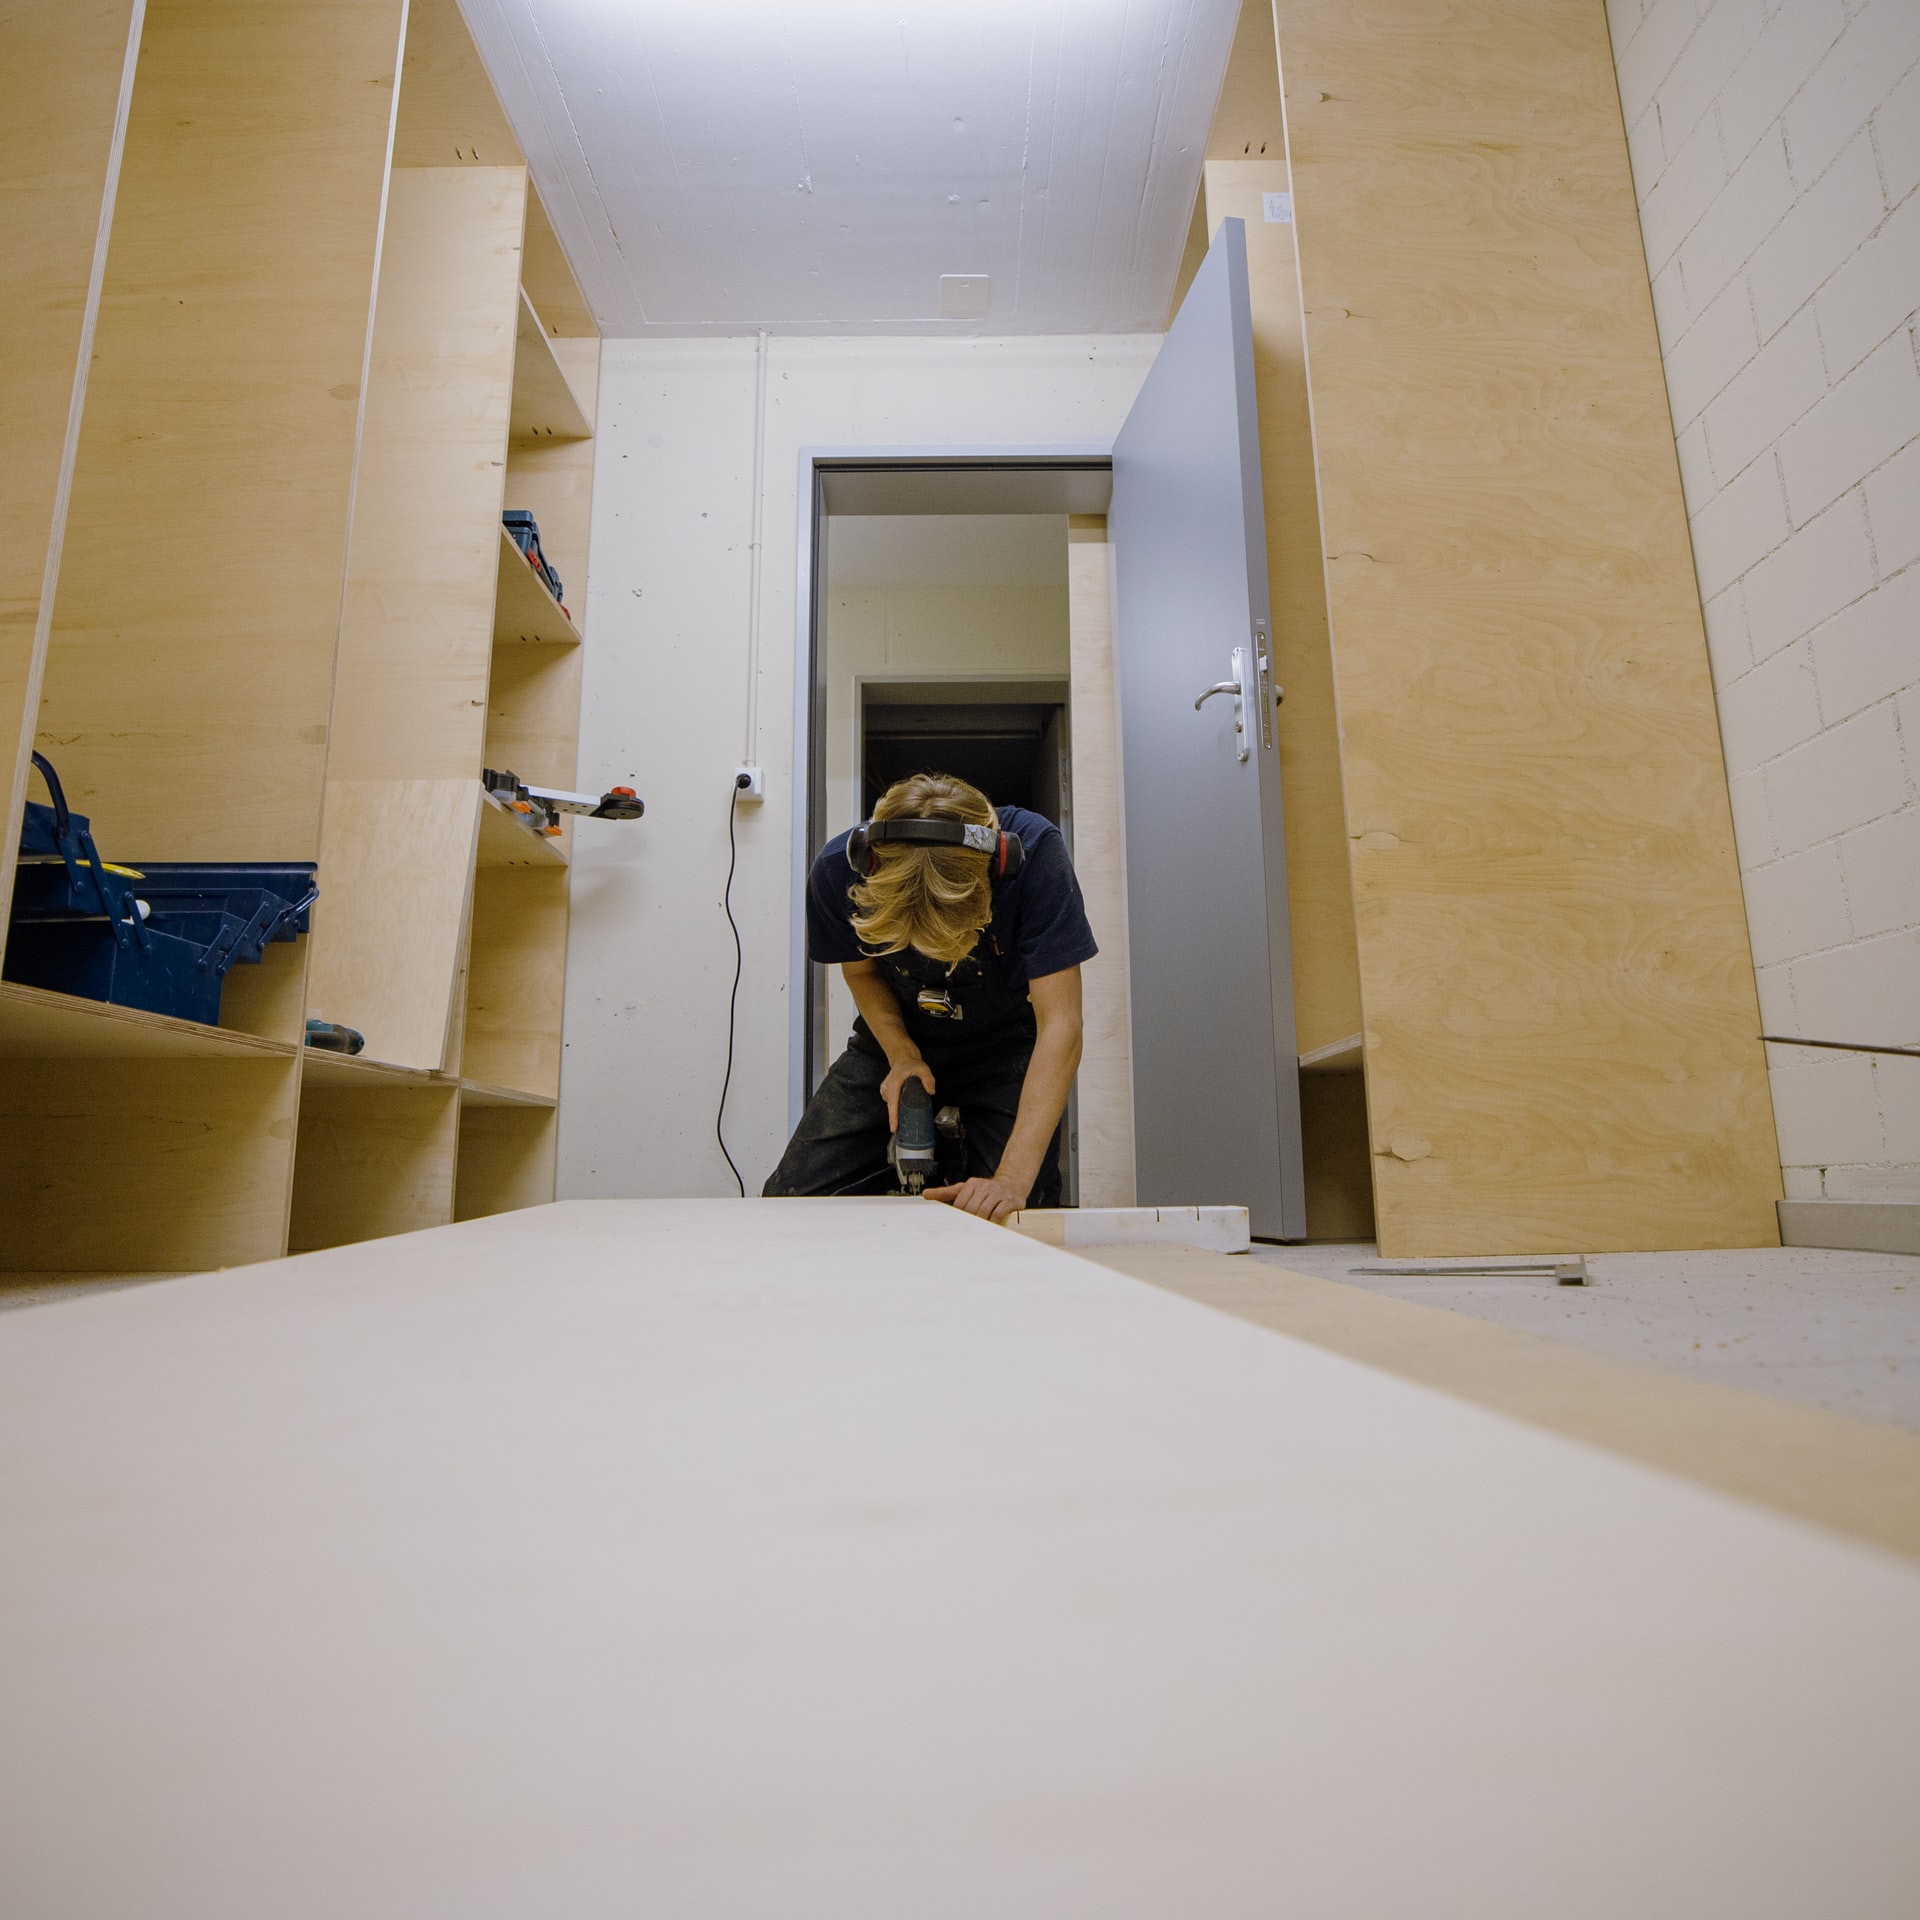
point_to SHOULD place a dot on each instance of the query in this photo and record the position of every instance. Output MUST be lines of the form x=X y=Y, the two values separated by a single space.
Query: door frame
x=1072 y=478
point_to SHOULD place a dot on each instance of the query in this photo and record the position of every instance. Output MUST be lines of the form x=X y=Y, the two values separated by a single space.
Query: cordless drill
x=913 y=1152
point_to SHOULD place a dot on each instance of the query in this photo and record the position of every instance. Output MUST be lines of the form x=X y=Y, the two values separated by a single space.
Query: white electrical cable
x=750 y=756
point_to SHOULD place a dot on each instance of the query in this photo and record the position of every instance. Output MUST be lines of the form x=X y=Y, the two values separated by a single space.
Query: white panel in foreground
x=851 y=1559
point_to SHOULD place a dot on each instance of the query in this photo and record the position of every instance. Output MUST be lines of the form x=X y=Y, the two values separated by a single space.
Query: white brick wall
x=1776 y=157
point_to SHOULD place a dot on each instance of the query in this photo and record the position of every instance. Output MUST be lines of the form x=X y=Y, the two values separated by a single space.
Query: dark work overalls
x=978 y=1052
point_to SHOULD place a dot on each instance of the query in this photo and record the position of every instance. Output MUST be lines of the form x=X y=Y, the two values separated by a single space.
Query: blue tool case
x=160 y=935
x=524 y=532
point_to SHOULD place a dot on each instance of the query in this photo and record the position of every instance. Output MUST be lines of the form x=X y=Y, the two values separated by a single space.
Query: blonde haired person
x=964 y=961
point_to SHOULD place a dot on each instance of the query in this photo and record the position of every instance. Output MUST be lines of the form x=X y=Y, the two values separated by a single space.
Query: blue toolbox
x=160 y=936
x=525 y=534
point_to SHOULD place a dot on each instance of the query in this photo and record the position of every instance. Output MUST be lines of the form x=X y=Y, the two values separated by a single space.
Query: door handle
x=1241 y=692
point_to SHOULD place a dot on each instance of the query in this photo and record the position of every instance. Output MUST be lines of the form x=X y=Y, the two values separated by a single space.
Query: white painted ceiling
x=947 y=550
x=816 y=166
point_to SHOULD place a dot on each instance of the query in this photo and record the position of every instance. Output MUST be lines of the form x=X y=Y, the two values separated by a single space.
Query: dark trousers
x=840 y=1145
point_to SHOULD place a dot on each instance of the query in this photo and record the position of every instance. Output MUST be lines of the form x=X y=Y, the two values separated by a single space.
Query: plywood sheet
x=533 y=718
x=1562 y=1031
x=38 y=1025
x=822 y=1557
x=1105 y=1112
x=449 y=113
x=145 y=1164
x=190 y=667
x=550 y=281
x=1859 y=1477
x=516 y=979
x=506 y=1156
x=372 y=1161
x=525 y=614
x=394 y=876
x=62 y=104
x=544 y=404
x=416 y=625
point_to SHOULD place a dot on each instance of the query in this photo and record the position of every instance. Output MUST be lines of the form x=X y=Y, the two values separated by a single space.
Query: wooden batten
x=1105 y=1113
x=62 y=118
x=1561 y=1026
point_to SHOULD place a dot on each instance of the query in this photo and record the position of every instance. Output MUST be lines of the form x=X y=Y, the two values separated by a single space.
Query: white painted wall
x=1776 y=157
x=665 y=703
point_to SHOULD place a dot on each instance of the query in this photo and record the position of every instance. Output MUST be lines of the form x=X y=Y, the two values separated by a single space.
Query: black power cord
x=740 y=783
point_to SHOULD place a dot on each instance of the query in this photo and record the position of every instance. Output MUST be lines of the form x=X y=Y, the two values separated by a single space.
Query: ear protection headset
x=1004 y=850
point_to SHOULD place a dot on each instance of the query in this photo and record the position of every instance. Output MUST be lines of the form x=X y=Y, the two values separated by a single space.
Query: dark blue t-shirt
x=1039 y=921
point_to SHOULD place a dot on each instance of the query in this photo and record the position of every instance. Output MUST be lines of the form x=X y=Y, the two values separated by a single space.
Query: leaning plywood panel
x=64 y=86
x=145 y=1165
x=416 y=629
x=387 y=932
x=190 y=667
x=1561 y=1025
x=416 y=625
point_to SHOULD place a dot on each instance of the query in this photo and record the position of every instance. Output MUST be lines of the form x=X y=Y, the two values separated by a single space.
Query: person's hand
x=990 y=1199
x=897 y=1077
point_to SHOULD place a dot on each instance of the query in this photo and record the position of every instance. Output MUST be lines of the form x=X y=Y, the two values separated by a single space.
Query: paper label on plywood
x=1277 y=209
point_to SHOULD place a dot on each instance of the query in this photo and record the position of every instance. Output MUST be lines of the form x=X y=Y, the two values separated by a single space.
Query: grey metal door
x=1215 y=1072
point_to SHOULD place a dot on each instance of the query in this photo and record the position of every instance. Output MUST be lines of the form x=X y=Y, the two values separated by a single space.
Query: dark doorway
x=1015 y=754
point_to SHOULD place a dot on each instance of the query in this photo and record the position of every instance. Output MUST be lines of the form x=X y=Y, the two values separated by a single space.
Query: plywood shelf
x=524 y=612
x=476 y=1093
x=325 y=1068
x=38 y=1025
x=504 y=842
x=1338 y=1056
x=396 y=254
x=544 y=406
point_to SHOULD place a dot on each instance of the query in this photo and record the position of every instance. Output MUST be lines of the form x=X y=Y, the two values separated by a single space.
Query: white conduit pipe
x=750 y=757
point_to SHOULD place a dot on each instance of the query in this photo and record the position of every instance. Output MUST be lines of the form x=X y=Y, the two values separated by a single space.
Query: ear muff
x=1004 y=850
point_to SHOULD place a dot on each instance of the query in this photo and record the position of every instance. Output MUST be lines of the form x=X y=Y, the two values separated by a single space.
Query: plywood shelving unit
x=335 y=337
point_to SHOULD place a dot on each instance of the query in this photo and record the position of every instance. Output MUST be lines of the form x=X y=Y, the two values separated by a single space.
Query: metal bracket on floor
x=1566 y=1273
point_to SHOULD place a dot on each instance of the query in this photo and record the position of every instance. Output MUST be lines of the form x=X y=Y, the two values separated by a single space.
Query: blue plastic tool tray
x=158 y=935
x=524 y=532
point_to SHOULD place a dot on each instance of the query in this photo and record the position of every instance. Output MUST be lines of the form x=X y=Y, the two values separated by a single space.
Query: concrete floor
x=1829 y=1329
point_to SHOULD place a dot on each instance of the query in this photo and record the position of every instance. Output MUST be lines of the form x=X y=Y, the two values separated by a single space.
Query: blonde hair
x=933 y=899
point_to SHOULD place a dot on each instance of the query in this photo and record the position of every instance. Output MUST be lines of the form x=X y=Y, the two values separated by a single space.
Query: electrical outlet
x=749 y=783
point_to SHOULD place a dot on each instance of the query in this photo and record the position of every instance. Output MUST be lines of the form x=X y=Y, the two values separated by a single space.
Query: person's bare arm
x=1043 y=1099
x=881 y=1011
